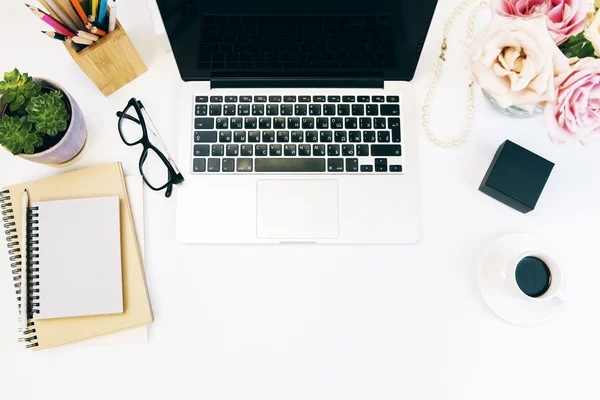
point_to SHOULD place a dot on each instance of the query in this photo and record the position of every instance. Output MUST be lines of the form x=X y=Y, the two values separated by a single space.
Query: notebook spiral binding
x=16 y=263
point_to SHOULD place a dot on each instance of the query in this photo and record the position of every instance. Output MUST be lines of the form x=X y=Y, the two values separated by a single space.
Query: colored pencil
x=95 y=30
x=55 y=35
x=102 y=11
x=80 y=12
x=94 y=10
x=112 y=18
x=80 y=40
x=87 y=35
x=62 y=15
x=50 y=21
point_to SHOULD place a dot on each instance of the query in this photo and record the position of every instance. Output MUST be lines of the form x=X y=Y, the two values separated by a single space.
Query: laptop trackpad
x=297 y=209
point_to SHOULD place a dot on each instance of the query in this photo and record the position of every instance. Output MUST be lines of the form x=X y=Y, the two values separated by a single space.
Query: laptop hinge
x=296 y=83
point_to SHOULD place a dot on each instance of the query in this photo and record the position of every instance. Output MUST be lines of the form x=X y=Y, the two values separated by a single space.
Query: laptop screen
x=308 y=39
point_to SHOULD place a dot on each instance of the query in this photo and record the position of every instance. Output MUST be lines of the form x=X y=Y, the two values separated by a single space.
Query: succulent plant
x=18 y=135
x=17 y=90
x=48 y=113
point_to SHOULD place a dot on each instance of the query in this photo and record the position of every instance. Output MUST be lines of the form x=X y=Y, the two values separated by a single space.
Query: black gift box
x=516 y=177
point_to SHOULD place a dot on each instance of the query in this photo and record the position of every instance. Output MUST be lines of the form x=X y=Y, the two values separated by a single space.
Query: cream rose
x=515 y=61
x=592 y=32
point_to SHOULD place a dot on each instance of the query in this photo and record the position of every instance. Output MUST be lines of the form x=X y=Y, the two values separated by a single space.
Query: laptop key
x=390 y=109
x=337 y=123
x=394 y=125
x=335 y=164
x=264 y=123
x=304 y=150
x=201 y=110
x=366 y=123
x=393 y=99
x=343 y=109
x=347 y=150
x=363 y=99
x=268 y=137
x=372 y=109
x=379 y=123
x=222 y=123
x=245 y=99
x=351 y=164
x=244 y=165
x=254 y=136
x=289 y=150
x=278 y=123
x=358 y=109
x=314 y=109
x=201 y=99
x=386 y=150
x=244 y=109
x=258 y=109
x=225 y=136
x=304 y=99
x=272 y=109
x=308 y=123
x=201 y=150
x=381 y=165
x=261 y=149
x=215 y=109
x=362 y=150
x=329 y=109
x=395 y=168
x=297 y=136
x=293 y=123
x=239 y=136
x=319 y=99
x=228 y=164
x=287 y=109
x=232 y=150
x=229 y=109
x=301 y=109
x=289 y=99
x=354 y=136
x=366 y=168
x=378 y=99
x=348 y=99
x=246 y=150
x=383 y=136
x=350 y=123
x=216 y=99
x=236 y=123
x=275 y=99
x=312 y=136
x=275 y=150
x=283 y=136
x=199 y=165
x=250 y=123
x=214 y=165
x=290 y=164
x=341 y=136
x=260 y=99
x=326 y=137
x=369 y=136
x=204 y=123
x=322 y=123
x=333 y=99
x=218 y=150
x=231 y=99
x=205 y=137
x=318 y=150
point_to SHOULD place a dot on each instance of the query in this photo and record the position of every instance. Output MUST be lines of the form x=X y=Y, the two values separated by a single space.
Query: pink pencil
x=51 y=21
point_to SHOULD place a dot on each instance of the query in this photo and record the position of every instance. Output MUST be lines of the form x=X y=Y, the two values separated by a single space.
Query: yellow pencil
x=94 y=10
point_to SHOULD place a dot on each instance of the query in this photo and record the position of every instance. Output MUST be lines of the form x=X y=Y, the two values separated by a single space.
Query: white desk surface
x=323 y=322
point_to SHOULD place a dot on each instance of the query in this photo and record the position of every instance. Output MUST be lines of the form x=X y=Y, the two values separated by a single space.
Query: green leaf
x=49 y=113
x=19 y=89
x=18 y=135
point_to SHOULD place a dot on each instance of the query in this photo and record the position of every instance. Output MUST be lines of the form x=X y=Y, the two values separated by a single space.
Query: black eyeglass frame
x=175 y=177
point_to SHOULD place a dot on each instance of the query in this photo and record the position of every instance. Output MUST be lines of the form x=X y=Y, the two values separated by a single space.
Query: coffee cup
x=534 y=276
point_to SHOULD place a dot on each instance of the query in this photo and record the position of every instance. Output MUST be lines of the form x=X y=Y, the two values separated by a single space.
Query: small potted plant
x=39 y=120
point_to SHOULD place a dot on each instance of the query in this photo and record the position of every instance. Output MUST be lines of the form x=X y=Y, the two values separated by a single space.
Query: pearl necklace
x=456 y=142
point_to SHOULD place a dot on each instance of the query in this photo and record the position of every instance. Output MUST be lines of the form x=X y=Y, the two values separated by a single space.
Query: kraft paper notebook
x=102 y=181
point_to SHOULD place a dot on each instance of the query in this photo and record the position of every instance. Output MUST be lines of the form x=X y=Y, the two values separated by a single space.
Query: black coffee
x=533 y=276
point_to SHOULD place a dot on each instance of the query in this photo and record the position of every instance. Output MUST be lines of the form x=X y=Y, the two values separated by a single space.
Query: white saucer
x=514 y=309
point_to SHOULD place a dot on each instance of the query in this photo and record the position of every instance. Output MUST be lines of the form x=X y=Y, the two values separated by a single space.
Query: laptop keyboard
x=297 y=134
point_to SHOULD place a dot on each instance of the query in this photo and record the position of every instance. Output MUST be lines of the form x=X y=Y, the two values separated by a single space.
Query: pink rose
x=564 y=17
x=575 y=115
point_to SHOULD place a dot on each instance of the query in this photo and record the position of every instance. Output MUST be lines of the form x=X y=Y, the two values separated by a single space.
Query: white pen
x=112 y=18
x=24 y=258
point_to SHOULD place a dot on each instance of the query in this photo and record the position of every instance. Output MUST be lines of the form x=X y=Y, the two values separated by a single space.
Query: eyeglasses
x=156 y=166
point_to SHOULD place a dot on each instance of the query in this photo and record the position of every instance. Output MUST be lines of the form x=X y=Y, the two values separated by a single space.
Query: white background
x=324 y=322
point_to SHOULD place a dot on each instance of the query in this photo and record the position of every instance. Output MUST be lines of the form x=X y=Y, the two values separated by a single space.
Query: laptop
x=298 y=120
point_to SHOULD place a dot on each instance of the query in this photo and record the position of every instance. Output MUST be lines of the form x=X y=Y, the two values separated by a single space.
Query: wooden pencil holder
x=111 y=62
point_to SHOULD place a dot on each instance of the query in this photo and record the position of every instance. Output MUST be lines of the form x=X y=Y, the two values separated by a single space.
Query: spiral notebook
x=76 y=257
x=102 y=181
